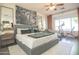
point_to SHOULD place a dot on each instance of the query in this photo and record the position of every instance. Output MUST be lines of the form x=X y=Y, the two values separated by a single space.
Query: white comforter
x=32 y=42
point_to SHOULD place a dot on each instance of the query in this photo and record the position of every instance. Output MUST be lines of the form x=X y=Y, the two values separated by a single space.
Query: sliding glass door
x=74 y=24
x=66 y=24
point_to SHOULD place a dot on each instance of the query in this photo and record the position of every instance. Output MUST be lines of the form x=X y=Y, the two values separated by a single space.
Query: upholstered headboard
x=23 y=30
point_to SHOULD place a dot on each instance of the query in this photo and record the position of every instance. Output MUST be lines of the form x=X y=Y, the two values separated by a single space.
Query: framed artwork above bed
x=25 y=17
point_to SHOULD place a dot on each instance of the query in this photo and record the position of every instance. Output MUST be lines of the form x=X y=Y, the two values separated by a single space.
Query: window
x=75 y=24
x=66 y=24
x=57 y=25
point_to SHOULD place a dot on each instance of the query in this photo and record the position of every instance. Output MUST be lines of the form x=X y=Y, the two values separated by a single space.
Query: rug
x=61 y=48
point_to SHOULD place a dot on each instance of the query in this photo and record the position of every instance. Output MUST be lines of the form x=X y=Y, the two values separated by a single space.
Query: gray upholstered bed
x=36 y=43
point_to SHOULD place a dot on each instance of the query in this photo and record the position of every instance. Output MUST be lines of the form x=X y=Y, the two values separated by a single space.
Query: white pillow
x=18 y=31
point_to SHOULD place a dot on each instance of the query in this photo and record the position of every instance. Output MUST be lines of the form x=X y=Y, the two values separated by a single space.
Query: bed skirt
x=37 y=50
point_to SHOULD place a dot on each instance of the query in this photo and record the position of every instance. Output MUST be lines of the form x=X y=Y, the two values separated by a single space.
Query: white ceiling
x=39 y=7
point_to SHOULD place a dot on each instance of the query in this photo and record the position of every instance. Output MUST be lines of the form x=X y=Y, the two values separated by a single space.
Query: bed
x=36 y=43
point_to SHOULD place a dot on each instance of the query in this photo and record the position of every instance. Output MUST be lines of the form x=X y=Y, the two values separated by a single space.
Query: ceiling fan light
x=51 y=8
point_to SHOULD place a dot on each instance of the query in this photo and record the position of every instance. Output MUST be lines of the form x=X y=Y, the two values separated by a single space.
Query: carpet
x=61 y=48
x=16 y=50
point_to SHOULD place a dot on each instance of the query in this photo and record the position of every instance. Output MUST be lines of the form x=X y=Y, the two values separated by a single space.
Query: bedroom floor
x=67 y=46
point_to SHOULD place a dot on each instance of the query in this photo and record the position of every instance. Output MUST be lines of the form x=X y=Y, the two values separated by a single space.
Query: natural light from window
x=66 y=24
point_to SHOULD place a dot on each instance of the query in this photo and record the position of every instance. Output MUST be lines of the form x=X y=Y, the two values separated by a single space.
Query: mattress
x=35 y=42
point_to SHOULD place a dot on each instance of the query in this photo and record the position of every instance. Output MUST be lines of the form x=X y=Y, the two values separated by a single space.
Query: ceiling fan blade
x=60 y=4
x=47 y=9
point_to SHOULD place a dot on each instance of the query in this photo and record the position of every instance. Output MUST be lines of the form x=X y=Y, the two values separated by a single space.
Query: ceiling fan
x=54 y=6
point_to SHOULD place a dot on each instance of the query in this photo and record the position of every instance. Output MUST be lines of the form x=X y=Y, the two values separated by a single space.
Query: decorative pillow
x=36 y=31
x=25 y=31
